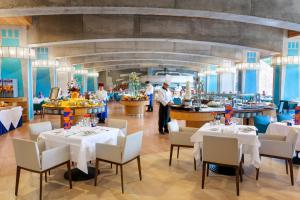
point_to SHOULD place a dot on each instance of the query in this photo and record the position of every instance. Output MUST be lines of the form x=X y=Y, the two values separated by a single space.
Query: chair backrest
x=27 y=154
x=177 y=101
x=37 y=128
x=173 y=126
x=239 y=121
x=222 y=150
x=280 y=107
x=118 y=123
x=132 y=146
x=261 y=122
x=283 y=117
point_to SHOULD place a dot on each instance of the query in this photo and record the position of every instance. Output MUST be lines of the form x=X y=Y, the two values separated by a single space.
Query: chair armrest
x=41 y=145
x=55 y=156
x=272 y=137
x=277 y=148
x=181 y=138
x=188 y=129
x=109 y=152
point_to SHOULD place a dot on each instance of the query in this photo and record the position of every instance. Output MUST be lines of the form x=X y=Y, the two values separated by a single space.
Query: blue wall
x=250 y=75
x=277 y=84
x=11 y=68
x=291 y=80
x=43 y=81
x=79 y=78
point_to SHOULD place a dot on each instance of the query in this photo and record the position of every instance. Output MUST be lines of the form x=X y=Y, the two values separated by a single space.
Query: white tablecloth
x=279 y=128
x=82 y=143
x=11 y=116
x=249 y=140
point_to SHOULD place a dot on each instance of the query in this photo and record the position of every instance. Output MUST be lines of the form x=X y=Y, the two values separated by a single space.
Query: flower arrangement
x=134 y=84
x=73 y=86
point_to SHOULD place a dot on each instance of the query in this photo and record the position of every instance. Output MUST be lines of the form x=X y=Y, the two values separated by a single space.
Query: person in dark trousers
x=165 y=101
x=149 y=92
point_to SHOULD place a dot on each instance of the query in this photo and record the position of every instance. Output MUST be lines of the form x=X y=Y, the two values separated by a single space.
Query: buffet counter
x=10 y=118
x=198 y=118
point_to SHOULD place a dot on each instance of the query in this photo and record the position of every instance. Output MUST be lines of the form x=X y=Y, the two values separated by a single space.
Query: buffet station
x=198 y=109
x=134 y=102
x=75 y=105
x=10 y=117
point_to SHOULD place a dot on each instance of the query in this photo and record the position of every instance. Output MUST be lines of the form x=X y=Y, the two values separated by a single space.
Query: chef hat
x=167 y=82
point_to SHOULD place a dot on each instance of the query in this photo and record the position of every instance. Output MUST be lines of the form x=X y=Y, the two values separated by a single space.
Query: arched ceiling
x=172 y=32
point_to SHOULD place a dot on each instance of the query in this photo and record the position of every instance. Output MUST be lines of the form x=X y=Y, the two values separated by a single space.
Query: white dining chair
x=36 y=128
x=120 y=154
x=118 y=123
x=30 y=158
x=280 y=147
x=180 y=137
x=224 y=151
x=237 y=120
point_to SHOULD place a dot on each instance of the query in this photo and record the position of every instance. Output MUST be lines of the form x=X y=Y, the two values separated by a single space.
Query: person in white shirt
x=149 y=93
x=165 y=101
x=102 y=96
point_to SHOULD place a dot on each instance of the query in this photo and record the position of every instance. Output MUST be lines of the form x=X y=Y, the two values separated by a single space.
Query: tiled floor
x=159 y=180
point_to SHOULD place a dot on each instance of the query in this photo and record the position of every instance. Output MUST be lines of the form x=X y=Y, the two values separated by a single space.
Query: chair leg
x=291 y=171
x=117 y=169
x=200 y=154
x=46 y=177
x=178 y=152
x=69 y=173
x=17 y=180
x=139 y=166
x=207 y=170
x=171 y=154
x=243 y=158
x=286 y=167
x=195 y=164
x=122 y=184
x=240 y=171
x=49 y=172
x=203 y=174
x=111 y=165
x=257 y=173
x=96 y=171
x=237 y=181
x=41 y=185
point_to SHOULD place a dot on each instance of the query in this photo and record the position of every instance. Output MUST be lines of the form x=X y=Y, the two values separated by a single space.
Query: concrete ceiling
x=186 y=33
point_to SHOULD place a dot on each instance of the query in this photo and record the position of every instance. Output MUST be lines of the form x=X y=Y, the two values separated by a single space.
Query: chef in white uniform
x=102 y=96
x=149 y=92
x=165 y=101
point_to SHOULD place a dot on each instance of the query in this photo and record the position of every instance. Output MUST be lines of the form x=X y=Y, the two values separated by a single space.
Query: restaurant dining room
x=161 y=99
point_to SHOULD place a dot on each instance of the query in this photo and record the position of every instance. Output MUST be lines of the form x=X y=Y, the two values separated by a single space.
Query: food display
x=3 y=104
x=140 y=97
x=214 y=104
x=74 y=102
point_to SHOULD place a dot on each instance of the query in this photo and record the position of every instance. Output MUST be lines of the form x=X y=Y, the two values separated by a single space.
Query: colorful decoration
x=297 y=115
x=68 y=118
x=228 y=114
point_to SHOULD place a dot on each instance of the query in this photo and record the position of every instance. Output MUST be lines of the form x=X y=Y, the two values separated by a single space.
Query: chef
x=165 y=101
x=149 y=92
x=102 y=96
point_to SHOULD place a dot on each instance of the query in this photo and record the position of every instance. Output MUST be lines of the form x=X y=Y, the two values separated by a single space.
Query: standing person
x=102 y=96
x=165 y=101
x=149 y=92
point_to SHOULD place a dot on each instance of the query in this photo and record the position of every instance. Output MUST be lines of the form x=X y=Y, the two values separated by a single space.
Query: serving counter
x=198 y=118
x=134 y=108
x=77 y=111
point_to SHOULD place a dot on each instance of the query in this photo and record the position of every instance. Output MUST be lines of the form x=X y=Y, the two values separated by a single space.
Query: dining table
x=82 y=141
x=245 y=134
x=282 y=128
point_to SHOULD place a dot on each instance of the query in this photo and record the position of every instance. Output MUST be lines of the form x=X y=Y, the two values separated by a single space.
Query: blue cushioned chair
x=177 y=101
x=283 y=117
x=261 y=123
